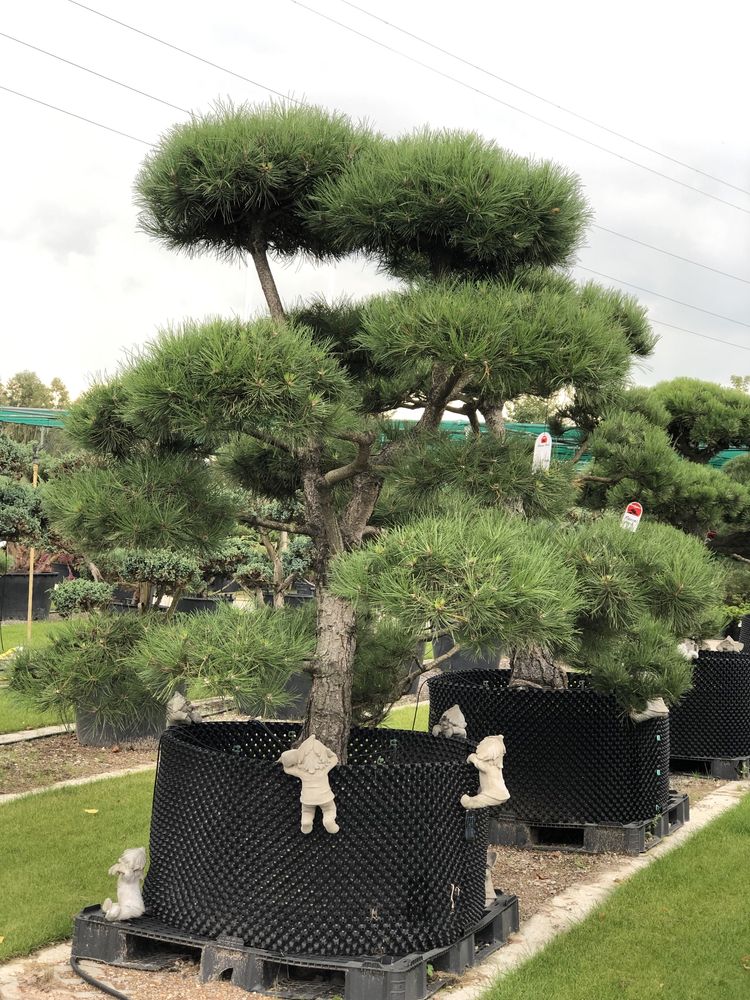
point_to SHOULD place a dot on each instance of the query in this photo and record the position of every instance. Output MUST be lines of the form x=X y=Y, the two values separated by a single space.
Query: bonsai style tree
x=296 y=401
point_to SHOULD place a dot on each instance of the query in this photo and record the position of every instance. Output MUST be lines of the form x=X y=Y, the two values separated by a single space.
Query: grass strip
x=56 y=855
x=678 y=930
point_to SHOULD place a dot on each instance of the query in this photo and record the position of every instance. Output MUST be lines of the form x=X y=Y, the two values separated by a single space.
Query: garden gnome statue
x=310 y=762
x=452 y=724
x=489 y=889
x=689 y=649
x=656 y=708
x=129 y=870
x=488 y=760
x=181 y=711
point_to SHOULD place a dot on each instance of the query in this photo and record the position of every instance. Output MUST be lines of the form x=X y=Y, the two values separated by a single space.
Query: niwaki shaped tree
x=294 y=404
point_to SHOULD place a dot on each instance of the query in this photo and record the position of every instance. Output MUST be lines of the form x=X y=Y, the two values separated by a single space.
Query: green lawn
x=17 y=713
x=403 y=718
x=55 y=855
x=679 y=930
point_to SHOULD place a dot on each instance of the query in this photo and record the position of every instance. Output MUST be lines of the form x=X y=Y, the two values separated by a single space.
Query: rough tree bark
x=534 y=668
x=329 y=707
x=493 y=417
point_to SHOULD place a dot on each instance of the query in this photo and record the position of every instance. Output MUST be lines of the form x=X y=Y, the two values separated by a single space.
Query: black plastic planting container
x=14 y=595
x=713 y=719
x=405 y=873
x=572 y=756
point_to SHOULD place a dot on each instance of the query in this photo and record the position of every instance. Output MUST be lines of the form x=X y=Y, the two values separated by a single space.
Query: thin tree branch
x=272 y=440
x=740 y=558
x=436 y=661
x=598 y=479
x=357 y=437
x=351 y=470
x=266 y=522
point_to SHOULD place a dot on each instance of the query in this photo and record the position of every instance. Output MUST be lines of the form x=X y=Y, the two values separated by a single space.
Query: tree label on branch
x=632 y=516
x=542 y=453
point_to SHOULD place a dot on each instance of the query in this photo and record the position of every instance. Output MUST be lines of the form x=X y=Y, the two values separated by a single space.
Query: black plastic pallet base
x=593 y=838
x=725 y=768
x=148 y=944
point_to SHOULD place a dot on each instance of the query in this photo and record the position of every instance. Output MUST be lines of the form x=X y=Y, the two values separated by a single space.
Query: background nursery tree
x=295 y=403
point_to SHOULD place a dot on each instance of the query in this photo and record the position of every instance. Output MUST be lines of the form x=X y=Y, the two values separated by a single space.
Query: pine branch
x=271 y=439
x=266 y=522
x=740 y=558
x=359 y=464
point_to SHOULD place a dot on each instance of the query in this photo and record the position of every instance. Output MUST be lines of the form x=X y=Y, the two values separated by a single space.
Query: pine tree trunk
x=267 y=281
x=534 y=668
x=493 y=417
x=329 y=707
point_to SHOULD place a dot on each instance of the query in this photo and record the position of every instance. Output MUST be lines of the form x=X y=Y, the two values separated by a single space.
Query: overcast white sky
x=80 y=285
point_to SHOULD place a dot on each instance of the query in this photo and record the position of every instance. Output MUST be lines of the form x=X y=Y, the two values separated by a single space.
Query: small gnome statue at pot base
x=129 y=868
x=310 y=762
x=488 y=760
x=452 y=724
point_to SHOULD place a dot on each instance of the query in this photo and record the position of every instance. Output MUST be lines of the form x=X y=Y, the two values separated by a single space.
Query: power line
x=144 y=142
x=72 y=114
x=704 y=336
x=538 y=97
x=513 y=107
x=650 y=291
x=185 y=52
x=93 y=72
x=224 y=69
x=668 y=253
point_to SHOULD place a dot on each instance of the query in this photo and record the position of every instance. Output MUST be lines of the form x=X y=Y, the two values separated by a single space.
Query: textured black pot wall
x=571 y=756
x=93 y=731
x=228 y=856
x=713 y=719
x=14 y=595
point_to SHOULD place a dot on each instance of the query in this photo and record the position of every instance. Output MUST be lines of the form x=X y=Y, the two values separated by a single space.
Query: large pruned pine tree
x=295 y=403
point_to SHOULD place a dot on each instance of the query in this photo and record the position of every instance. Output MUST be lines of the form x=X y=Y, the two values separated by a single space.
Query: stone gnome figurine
x=488 y=760
x=452 y=724
x=180 y=711
x=310 y=762
x=129 y=869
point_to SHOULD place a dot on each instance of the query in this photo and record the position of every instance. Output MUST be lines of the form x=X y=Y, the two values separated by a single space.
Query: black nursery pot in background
x=404 y=873
x=713 y=719
x=571 y=756
x=14 y=595
x=487 y=659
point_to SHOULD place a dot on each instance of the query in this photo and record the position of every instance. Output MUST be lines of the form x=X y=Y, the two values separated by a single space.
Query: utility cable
x=507 y=104
x=72 y=114
x=703 y=336
x=87 y=978
x=650 y=291
x=544 y=100
x=669 y=253
x=185 y=52
x=144 y=142
x=224 y=69
x=93 y=72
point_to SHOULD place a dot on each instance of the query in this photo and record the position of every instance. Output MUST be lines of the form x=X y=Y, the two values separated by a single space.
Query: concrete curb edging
x=74 y=782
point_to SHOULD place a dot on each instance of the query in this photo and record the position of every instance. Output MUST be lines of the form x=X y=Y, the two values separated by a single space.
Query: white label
x=542 y=453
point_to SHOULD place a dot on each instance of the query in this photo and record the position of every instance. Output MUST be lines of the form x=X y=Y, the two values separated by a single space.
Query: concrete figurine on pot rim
x=310 y=762
x=488 y=760
x=452 y=724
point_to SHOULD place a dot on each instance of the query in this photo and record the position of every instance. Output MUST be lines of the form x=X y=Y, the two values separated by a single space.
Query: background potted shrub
x=73 y=597
x=86 y=670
